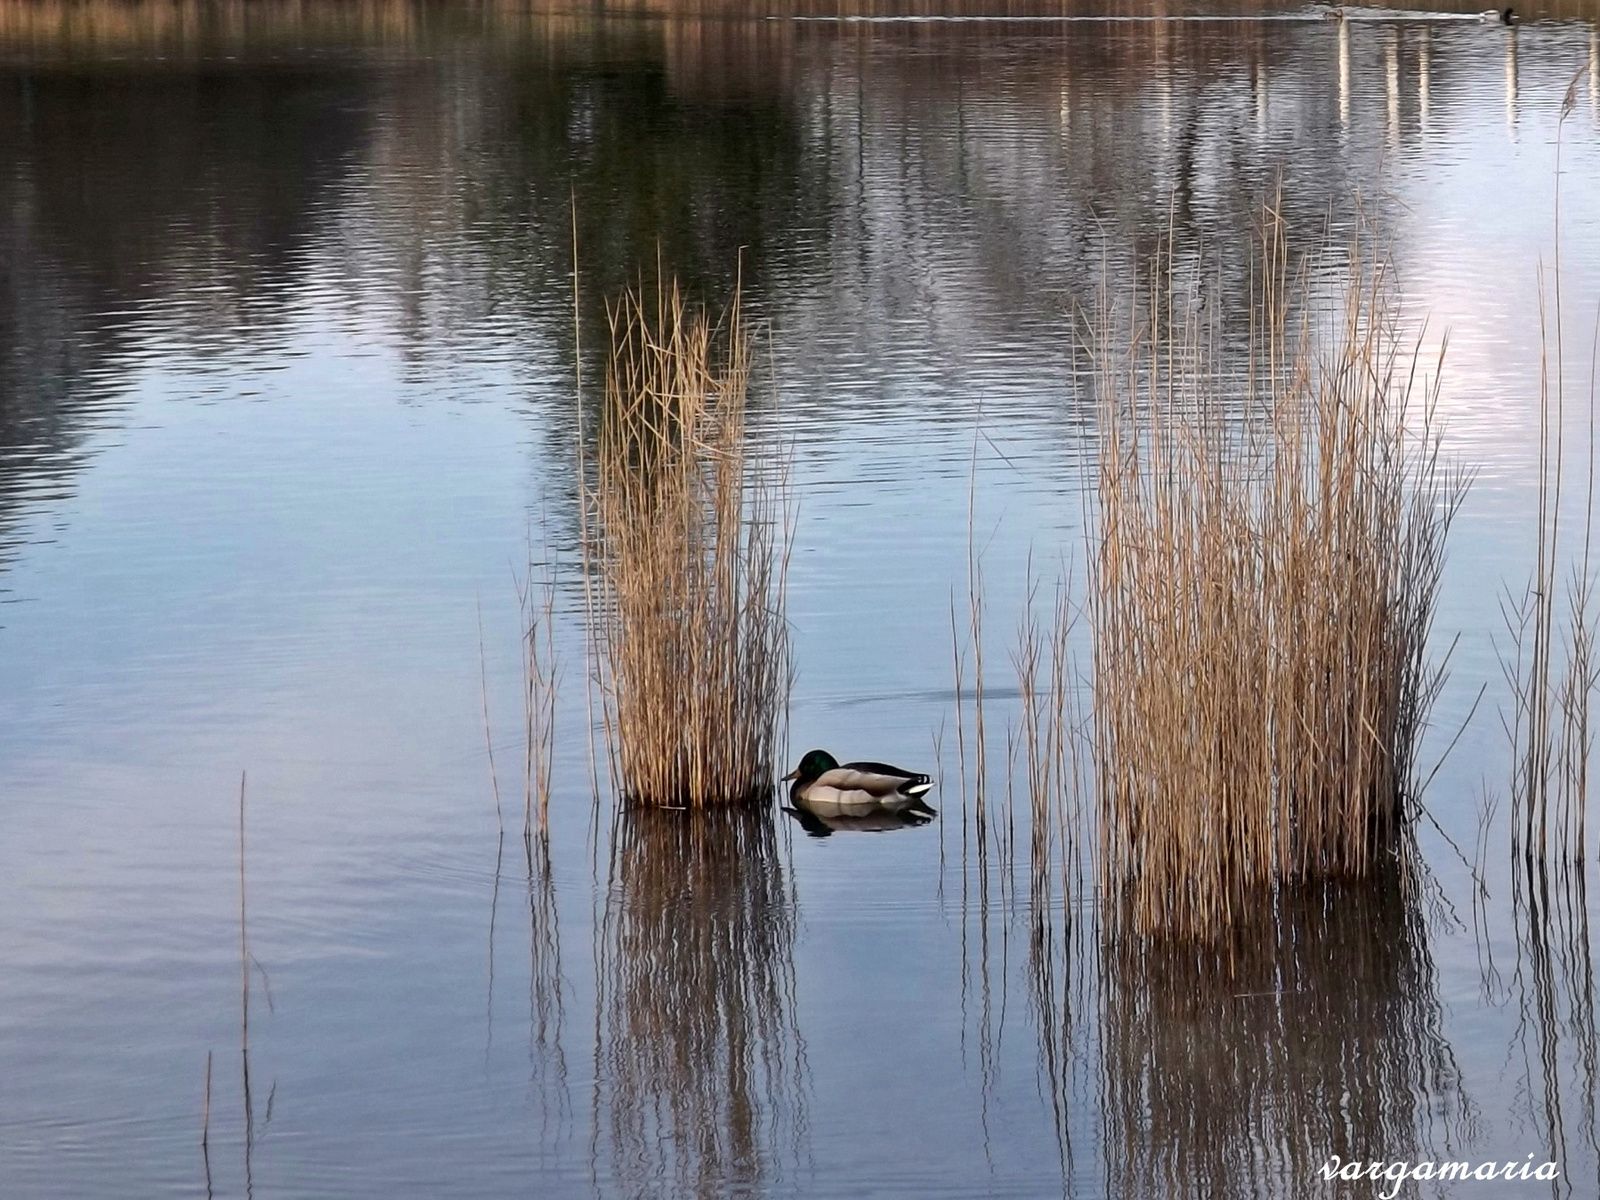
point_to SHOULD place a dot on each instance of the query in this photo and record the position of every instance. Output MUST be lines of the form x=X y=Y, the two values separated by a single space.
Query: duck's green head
x=814 y=765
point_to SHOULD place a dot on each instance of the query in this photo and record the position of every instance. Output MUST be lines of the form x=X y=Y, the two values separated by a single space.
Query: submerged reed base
x=1267 y=558
x=691 y=543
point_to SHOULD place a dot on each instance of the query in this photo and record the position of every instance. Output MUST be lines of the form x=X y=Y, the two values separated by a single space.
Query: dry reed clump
x=691 y=542
x=1262 y=588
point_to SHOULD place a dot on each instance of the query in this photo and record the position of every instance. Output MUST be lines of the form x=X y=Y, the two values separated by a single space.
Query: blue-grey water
x=288 y=402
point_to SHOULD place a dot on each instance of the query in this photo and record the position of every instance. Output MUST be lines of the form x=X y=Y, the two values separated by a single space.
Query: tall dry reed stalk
x=1553 y=667
x=205 y=1130
x=1044 y=744
x=1553 y=670
x=1051 y=740
x=541 y=681
x=1267 y=558
x=691 y=538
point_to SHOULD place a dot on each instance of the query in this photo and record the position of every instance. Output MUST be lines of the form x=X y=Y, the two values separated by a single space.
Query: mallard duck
x=823 y=786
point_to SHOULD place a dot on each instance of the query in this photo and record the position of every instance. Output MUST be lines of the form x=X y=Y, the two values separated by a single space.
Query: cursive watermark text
x=1396 y=1173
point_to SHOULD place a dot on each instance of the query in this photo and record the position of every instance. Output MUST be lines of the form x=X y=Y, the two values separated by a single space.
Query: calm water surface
x=286 y=396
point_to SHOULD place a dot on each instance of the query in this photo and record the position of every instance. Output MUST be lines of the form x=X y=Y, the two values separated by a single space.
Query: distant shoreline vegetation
x=127 y=23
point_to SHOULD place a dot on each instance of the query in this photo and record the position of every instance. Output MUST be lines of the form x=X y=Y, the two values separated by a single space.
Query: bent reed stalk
x=1262 y=585
x=691 y=539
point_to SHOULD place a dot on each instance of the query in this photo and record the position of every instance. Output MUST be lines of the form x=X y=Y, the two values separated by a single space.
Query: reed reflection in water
x=699 y=1062
x=1554 y=1051
x=1238 y=1070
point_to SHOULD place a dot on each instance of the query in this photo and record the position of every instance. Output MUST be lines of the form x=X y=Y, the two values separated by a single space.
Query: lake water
x=287 y=401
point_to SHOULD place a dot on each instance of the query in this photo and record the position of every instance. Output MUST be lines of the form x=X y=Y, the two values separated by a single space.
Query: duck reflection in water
x=821 y=825
x=861 y=797
x=700 y=1086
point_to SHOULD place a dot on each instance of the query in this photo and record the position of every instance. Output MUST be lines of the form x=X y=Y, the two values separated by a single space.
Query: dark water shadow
x=1317 y=1031
x=699 y=1064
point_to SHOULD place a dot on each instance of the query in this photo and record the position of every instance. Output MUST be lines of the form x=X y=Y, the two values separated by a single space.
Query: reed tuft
x=1267 y=557
x=691 y=538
